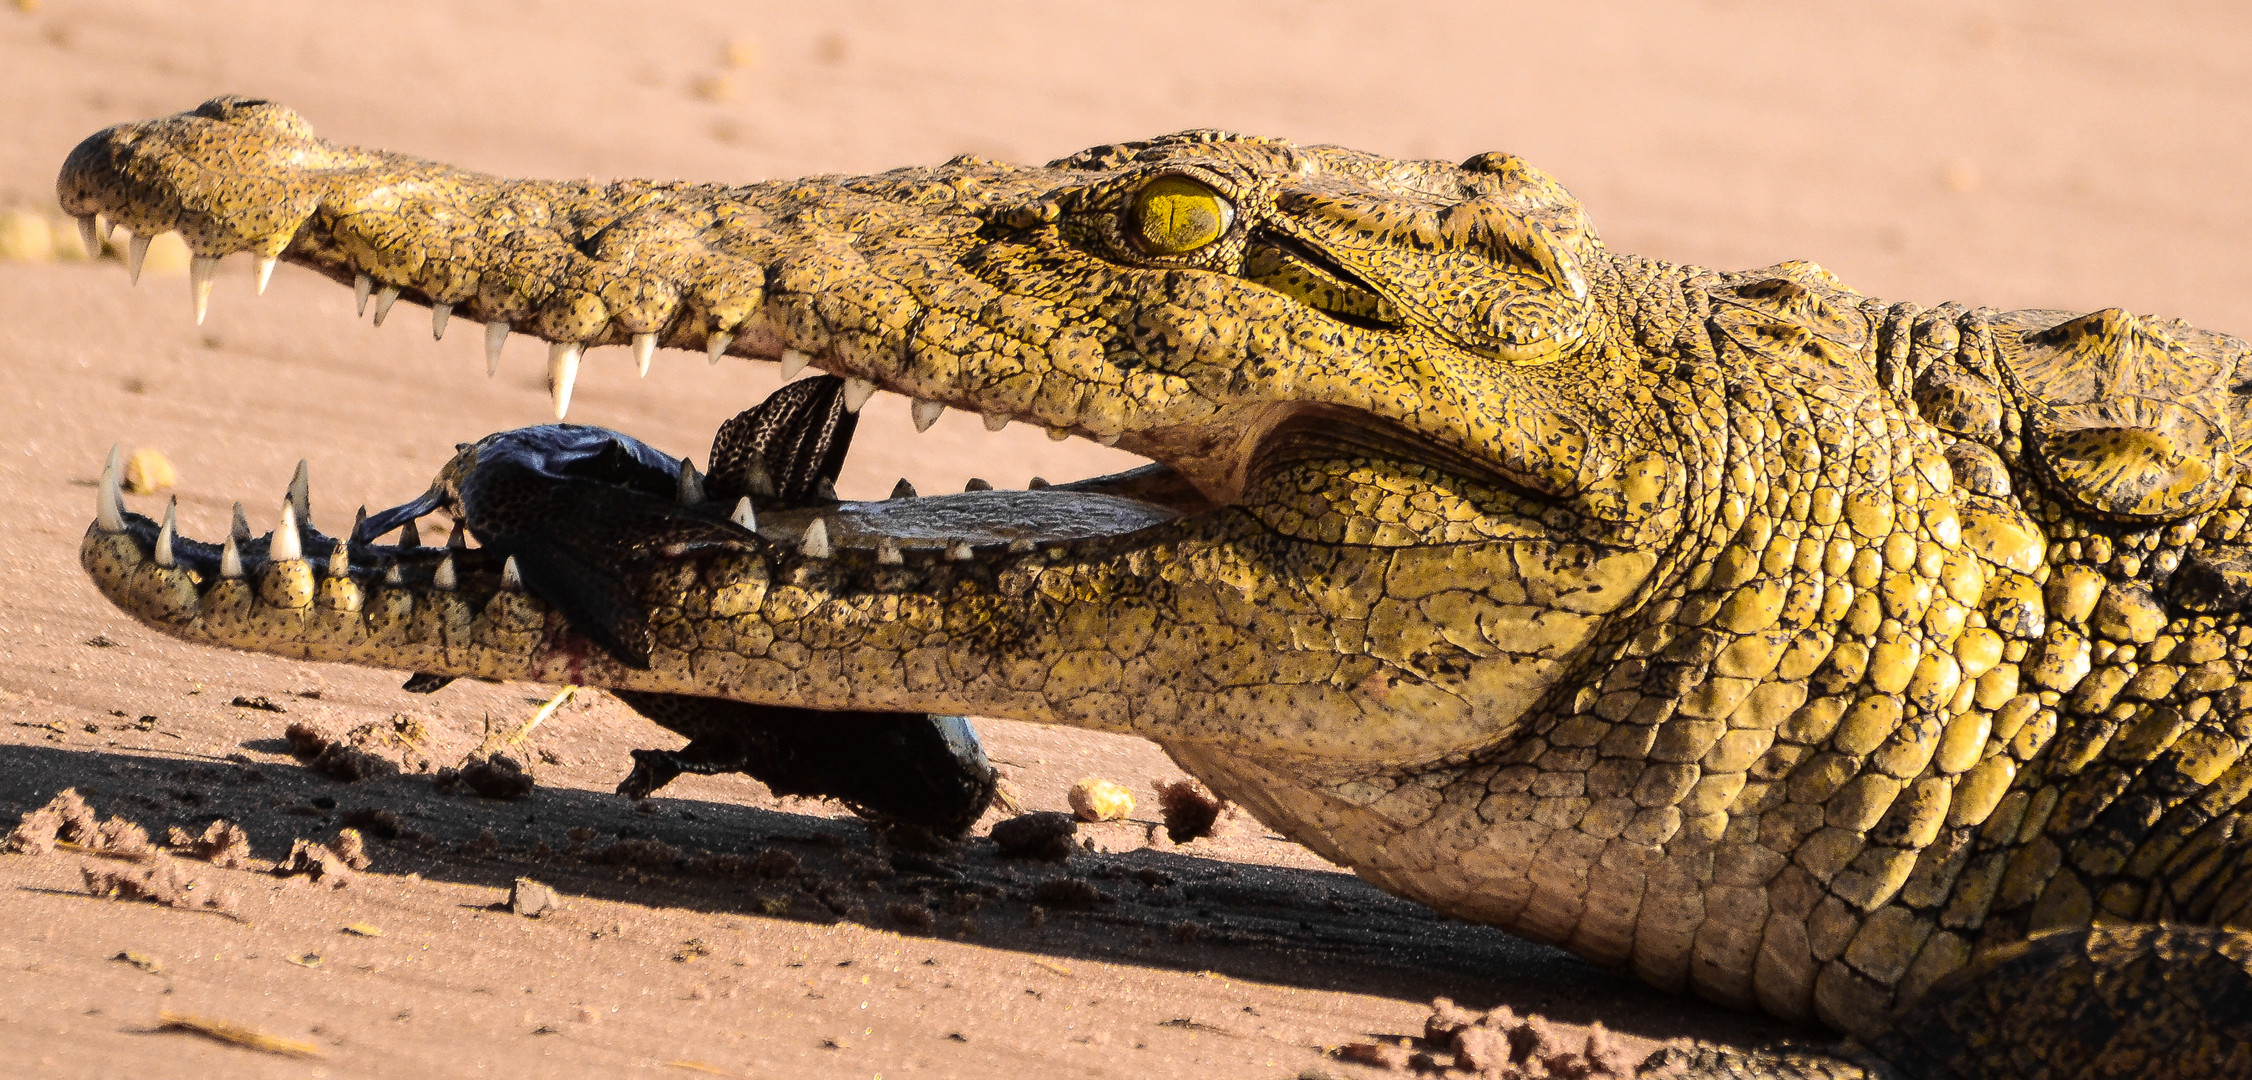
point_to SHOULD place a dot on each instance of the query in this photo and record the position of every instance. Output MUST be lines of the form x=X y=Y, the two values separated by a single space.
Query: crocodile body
x=1787 y=646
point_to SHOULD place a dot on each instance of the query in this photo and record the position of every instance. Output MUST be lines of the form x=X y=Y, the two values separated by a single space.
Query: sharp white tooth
x=744 y=515
x=1110 y=439
x=109 y=498
x=760 y=482
x=1020 y=546
x=793 y=362
x=136 y=253
x=1057 y=434
x=200 y=270
x=301 y=491
x=287 y=544
x=959 y=551
x=444 y=578
x=903 y=489
x=340 y=560
x=496 y=335
x=644 y=347
x=995 y=422
x=562 y=372
x=230 y=559
x=926 y=413
x=439 y=314
x=691 y=489
x=856 y=394
x=511 y=578
x=815 y=544
x=716 y=345
x=1036 y=483
x=393 y=576
x=457 y=538
x=887 y=552
x=410 y=536
x=265 y=272
x=362 y=285
x=240 y=529
x=165 y=532
x=90 y=234
x=978 y=483
x=383 y=301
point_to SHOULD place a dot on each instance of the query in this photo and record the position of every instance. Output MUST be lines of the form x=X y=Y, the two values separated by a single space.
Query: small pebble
x=148 y=472
x=1097 y=799
x=531 y=899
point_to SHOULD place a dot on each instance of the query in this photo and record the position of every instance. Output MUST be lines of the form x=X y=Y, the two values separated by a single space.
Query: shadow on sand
x=1161 y=909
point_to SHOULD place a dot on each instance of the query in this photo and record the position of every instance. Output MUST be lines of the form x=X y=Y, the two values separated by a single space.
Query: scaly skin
x=1783 y=645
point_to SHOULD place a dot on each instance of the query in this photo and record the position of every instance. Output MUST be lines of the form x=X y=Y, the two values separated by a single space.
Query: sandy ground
x=2073 y=155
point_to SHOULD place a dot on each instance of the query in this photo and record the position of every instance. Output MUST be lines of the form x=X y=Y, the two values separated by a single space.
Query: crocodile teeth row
x=288 y=543
x=562 y=358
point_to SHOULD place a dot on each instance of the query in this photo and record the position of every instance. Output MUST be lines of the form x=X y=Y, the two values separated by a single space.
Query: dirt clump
x=497 y=777
x=1378 y=1054
x=317 y=863
x=1045 y=835
x=118 y=836
x=1190 y=812
x=350 y=846
x=158 y=880
x=66 y=818
x=1501 y=1043
x=374 y=821
x=223 y=844
x=531 y=899
x=375 y=750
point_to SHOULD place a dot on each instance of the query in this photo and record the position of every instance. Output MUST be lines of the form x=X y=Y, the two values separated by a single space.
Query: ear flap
x=1538 y=310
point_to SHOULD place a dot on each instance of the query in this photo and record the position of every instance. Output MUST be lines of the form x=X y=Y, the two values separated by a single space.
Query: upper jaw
x=769 y=272
x=892 y=282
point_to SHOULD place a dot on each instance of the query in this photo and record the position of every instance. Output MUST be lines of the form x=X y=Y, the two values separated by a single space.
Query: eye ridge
x=1176 y=214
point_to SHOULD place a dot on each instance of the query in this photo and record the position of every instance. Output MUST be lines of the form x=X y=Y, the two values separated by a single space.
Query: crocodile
x=1876 y=666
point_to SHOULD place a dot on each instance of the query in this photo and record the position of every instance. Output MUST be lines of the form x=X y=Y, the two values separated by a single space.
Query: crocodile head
x=1397 y=370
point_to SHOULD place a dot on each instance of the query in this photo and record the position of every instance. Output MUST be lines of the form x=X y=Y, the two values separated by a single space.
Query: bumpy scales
x=1806 y=651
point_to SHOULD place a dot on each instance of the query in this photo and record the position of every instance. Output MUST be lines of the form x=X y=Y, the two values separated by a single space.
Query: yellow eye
x=1174 y=215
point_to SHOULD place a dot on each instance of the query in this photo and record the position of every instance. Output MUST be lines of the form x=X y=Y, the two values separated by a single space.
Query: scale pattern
x=1784 y=645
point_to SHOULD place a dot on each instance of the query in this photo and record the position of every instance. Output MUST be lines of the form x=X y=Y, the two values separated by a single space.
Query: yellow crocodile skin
x=1780 y=644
